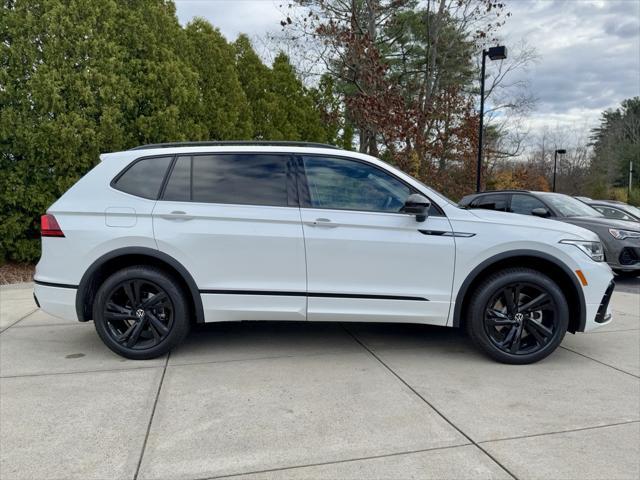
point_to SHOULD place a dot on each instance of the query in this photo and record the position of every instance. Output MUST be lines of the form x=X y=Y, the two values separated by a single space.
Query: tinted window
x=524 y=204
x=178 y=187
x=246 y=179
x=350 y=185
x=610 y=212
x=491 y=202
x=144 y=178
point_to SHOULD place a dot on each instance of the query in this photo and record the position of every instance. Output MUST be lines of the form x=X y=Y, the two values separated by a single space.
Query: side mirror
x=417 y=205
x=540 y=212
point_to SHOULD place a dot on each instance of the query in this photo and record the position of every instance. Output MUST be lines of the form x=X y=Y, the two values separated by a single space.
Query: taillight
x=49 y=226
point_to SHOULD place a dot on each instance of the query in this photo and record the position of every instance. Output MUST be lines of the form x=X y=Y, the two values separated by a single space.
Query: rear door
x=233 y=221
x=366 y=260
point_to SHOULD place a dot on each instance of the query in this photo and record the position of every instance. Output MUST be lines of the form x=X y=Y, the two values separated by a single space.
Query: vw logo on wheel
x=139 y=313
x=519 y=317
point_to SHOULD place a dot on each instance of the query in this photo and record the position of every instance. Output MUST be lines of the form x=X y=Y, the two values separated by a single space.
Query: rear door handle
x=323 y=222
x=176 y=215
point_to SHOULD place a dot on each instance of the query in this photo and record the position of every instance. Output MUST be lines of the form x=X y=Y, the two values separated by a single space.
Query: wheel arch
x=540 y=261
x=123 y=257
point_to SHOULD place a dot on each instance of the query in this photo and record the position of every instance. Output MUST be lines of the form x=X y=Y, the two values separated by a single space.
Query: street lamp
x=560 y=151
x=494 y=53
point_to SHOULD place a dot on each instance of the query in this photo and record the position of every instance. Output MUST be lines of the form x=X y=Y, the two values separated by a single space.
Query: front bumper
x=623 y=255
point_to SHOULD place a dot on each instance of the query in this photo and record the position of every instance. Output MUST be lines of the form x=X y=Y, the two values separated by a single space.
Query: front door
x=367 y=261
x=231 y=221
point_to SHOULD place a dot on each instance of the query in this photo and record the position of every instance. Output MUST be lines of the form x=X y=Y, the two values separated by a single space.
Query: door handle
x=323 y=222
x=176 y=215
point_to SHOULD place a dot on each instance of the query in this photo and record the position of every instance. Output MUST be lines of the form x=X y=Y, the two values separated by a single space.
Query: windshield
x=635 y=211
x=568 y=206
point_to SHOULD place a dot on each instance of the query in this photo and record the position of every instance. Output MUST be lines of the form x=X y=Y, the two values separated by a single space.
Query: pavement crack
x=19 y=320
x=153 y=411
x=334 y=462
x=421 y=397
x=598 y=361
x=558 y=432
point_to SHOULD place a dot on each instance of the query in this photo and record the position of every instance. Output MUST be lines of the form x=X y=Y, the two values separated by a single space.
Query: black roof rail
x=222 y=143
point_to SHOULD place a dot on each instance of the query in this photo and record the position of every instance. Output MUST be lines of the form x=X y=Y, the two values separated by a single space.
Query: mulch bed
x=16 y=273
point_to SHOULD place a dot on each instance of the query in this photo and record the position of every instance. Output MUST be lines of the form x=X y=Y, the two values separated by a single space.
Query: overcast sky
x=589 y=49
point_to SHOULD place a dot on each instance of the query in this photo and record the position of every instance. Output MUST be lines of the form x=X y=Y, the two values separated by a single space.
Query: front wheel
x=140 y=312
x=517 y=316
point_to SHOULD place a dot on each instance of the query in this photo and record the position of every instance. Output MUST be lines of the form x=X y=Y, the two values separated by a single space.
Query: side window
x=244 y=179
x=144 y=177
x=524 y=204
x=344 y=184
x=491 y=202
x=613 y=213
x=178 y=187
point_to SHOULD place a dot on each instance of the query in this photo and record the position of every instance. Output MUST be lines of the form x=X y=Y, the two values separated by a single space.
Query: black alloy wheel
x=140 y=312
x=517 y=315
x=521 y=318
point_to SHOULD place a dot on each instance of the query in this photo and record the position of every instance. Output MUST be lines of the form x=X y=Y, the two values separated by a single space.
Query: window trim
x=305 y=197
x=290 y=186
x=122 y=172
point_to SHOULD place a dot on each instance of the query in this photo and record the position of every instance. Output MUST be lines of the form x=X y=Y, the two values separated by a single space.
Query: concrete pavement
x=306 y=401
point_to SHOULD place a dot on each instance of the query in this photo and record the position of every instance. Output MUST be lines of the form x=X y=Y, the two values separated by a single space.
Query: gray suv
x=621 y=239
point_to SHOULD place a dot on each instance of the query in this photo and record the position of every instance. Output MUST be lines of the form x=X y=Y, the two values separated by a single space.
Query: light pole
x=560 y=151
x=494 y=53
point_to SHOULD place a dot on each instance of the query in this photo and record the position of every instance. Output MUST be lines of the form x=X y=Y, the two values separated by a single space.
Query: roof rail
x=234 y=143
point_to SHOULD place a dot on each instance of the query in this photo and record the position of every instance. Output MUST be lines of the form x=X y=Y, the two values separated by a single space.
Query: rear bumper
x=56 y=300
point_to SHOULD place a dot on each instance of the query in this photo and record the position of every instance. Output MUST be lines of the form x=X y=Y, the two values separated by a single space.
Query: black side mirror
x=417 y=205
x=540 y=212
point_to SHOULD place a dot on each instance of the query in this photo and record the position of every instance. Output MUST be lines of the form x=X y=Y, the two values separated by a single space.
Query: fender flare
x=85 y=282
x=480 y=268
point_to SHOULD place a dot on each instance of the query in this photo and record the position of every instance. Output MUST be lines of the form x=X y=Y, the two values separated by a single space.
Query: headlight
x=622 y=234
x=593 y=249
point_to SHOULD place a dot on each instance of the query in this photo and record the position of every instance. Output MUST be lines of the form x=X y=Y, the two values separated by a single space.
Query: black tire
x=140 y=312
x=514 y=331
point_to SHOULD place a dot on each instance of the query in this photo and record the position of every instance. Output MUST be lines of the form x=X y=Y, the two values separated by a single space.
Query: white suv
x=162 y=236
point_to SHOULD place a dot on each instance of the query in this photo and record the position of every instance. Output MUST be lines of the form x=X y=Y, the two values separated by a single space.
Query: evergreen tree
x=223 y=110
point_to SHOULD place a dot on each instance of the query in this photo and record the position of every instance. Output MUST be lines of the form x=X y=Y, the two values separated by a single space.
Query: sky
x=588 y=50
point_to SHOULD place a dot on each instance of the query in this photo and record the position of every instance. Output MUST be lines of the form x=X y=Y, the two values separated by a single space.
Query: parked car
x=160 y=236
x=621 y=239
x=616 y=210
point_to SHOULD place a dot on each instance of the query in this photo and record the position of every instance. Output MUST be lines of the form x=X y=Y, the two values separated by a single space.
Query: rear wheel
x=518 y=316
x=140 y=312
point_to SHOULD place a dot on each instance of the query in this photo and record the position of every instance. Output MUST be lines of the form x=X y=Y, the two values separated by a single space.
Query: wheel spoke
x=508 y=295
x=155 y=300
x=539 y=329
x=135 y=334
x=537 y=303
x=131 y=293
x=515 y=344
x=157 y=324
x=113 y=307
x=508 y=340
x=111 y=316
x=516 y=295
x=123 y=338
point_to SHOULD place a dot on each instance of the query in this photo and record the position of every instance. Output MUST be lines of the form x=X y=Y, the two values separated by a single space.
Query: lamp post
x=494 y=53
x=560 y=151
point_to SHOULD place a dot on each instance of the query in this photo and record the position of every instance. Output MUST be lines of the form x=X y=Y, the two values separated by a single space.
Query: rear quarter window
x=143 y=178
